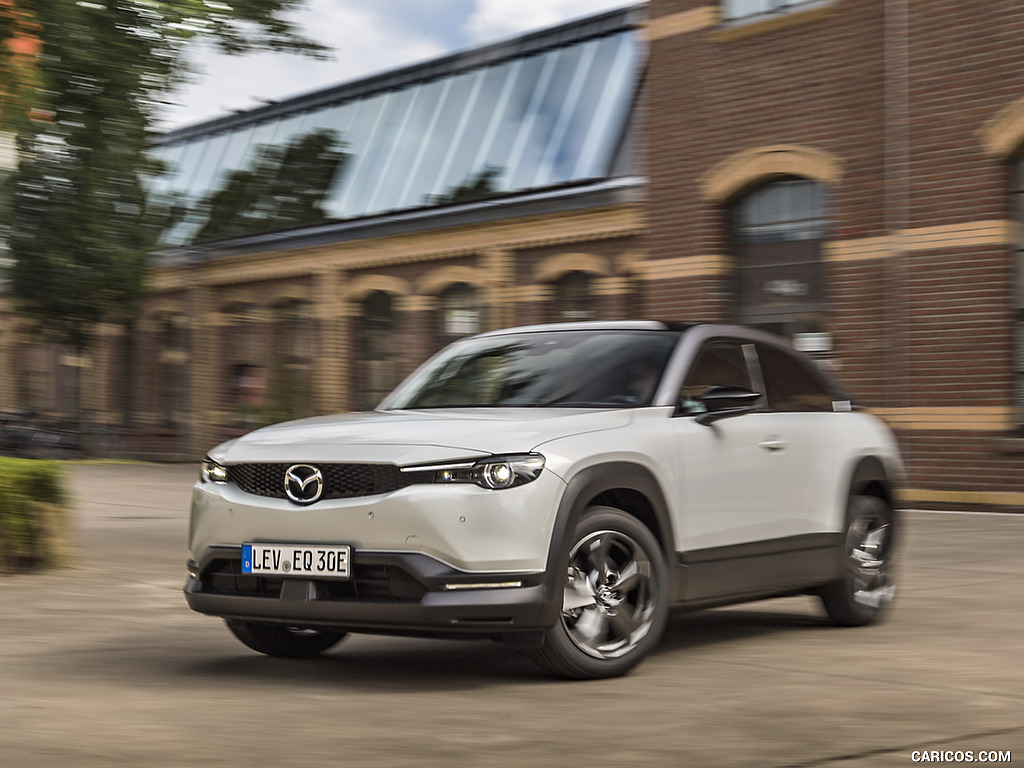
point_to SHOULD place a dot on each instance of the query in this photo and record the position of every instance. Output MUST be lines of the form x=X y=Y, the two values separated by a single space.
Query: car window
x=791 y=384
x=720 y=363
x=578 y=369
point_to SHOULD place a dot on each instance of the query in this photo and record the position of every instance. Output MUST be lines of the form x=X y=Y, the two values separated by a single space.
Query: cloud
x=496 y=19
x=368 y=37
x=364 y=43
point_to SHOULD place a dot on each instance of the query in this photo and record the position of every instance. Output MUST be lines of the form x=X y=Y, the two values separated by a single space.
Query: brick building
x=331 y=242
x=844 y=172
x=848 y=173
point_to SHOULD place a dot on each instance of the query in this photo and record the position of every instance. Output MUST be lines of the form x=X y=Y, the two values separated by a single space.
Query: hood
x=413 y=437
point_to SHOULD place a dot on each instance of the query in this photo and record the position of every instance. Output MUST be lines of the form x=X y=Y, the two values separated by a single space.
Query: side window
x=719 y=363
x=791 y=384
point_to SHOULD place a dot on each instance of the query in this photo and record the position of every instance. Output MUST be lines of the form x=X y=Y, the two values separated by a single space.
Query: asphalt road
x=103 y=664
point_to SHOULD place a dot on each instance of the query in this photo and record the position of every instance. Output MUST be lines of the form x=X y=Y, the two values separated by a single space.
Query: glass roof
x=525 y=122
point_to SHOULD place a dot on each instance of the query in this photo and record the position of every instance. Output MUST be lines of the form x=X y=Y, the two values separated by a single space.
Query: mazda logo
x=303 y=484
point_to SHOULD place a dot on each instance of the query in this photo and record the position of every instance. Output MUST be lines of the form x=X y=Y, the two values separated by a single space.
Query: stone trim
x=710 y=265
x=681 y=23
x=362 y=286
x=741 y=171
x=859 y=249
x=1003 y=135
x=969 y=234
x=743 y=28
x=554 y=267
x=995 y=418
x=435 y=281
x=521 y=234
x=974 y=498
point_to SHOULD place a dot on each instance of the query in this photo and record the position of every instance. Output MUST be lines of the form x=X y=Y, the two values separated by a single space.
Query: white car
x=559 y=487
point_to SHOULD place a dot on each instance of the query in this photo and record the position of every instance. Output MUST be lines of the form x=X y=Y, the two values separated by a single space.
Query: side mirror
x=723 y=402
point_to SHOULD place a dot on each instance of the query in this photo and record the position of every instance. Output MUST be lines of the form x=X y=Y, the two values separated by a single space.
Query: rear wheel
x=283 y=641
x=614 y=603
x=867 y=586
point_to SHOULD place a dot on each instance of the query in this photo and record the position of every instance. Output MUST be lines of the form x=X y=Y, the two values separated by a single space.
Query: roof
x=544 y=112
x=586 y=325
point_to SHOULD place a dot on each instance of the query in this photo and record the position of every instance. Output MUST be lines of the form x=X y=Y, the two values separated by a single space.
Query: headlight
x=212 y=472
x=494 y=472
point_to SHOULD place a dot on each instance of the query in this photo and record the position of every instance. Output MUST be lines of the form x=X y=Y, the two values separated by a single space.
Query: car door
x=737 y=480
x=808 y=418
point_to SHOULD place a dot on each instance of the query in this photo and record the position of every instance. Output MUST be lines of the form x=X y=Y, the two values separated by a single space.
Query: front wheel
x=283 y=641
x=614 y=603
x=867 y=586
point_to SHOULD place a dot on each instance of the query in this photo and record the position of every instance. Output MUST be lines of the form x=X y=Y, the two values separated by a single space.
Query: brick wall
x=920 y=275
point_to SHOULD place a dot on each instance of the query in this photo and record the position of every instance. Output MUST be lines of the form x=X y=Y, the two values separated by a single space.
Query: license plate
x=296 y=560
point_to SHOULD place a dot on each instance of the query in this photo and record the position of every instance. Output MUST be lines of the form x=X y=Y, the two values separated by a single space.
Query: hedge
x=32 y=514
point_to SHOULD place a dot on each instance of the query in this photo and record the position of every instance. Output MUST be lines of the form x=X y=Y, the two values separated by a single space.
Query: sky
x=368 y=37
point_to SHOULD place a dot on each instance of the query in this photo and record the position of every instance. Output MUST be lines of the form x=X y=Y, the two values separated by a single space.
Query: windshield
x=568 y=369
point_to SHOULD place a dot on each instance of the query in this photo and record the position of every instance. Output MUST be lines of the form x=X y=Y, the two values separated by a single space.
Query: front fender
x=581 y=490
x=871 y=471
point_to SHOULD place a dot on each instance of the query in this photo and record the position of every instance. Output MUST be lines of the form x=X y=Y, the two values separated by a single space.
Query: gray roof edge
x=586 y=325
x=616 y=191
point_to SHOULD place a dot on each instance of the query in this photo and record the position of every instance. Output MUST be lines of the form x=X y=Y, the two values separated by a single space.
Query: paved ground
x=102 y=664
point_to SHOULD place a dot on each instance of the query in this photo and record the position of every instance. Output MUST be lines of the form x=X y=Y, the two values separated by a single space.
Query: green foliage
x=477 y=186
x=284 y=187
x=32 y=501
x=80 y=225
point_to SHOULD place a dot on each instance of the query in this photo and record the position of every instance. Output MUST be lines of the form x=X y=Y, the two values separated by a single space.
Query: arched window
x=573 y=297
x=245 y=357
x=36 y=374
x=777 y=234
x=290 y=393
x=376 y=364
x=459 y=313
x=173 y=364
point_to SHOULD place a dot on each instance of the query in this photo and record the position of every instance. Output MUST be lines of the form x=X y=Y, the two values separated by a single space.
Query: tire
x=614 y=605
x=866 y=590
x=283 y=641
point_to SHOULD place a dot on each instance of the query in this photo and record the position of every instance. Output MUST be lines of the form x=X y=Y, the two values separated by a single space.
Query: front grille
x=341 y=481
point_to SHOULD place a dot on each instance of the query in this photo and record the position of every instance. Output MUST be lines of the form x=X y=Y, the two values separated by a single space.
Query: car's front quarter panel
x=647 y=443
x=465 y=526
x=874 y=460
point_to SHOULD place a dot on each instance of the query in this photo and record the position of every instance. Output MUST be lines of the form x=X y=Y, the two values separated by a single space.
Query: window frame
x=768 y=9
x=759 y=225
x=574 y=298
x=1017 y=362
x=459 y=297
x=755 y=379
x=805 y=367
x=377 y=324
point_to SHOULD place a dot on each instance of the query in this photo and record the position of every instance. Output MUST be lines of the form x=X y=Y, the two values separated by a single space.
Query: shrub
x=32 y=514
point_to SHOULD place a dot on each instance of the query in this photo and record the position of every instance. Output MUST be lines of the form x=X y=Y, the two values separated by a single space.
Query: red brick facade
x=913 y=102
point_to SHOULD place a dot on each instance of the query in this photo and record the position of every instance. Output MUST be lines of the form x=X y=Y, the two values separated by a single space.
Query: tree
x=283 y=187
x=477 y=186
x=80 y=225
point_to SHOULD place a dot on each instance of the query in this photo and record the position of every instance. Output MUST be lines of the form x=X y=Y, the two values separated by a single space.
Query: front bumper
x=397 y=593
x=465 y=526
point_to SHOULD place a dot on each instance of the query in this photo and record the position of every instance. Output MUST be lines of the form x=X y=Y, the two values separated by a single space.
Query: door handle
x=773 y=444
